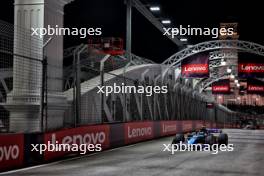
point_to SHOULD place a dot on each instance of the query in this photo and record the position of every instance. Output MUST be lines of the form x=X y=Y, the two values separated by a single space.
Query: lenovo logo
x=87 y=138
x=168 y=128
x=249 y=68
x=195 y=68
x=220 y=88
x=256 y=88
x=97 y=135
x=10 y=152
x=138 y=132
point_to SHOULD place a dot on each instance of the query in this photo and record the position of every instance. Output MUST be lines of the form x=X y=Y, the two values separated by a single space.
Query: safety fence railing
x=177 y=104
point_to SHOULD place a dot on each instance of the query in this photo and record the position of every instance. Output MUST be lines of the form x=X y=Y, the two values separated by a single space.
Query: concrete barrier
x=16 y=149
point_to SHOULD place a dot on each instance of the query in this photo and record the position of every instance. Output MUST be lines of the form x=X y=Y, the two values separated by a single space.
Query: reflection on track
x=147 y=159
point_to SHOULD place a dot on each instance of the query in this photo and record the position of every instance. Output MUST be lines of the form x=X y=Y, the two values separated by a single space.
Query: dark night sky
x=147 y=41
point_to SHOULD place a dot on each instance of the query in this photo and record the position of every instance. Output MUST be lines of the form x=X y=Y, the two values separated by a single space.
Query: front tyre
x=178 y=138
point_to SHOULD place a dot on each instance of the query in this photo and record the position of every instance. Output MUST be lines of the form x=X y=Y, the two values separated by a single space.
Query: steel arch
x=214 y=45
x=203 y=84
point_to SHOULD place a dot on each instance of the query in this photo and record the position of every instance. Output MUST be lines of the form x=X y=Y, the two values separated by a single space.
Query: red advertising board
x=138 y=131
x=218 y=88
x=226 y=125
x=196 y=66
x=221 y=87
x=97 y=134
x=250 y=65
x=187 y=125
x=168 y=128
x=255 y=86
x=208 y=124
x=11 y=151
x=214 y=125
x=198 y=124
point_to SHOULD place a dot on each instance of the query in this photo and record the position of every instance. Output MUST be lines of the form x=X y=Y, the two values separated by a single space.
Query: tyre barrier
x=16 y=149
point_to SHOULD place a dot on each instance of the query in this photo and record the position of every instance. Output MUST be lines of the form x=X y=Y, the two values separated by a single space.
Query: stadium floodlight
x=223 y=62
x=166 y=21
x=154 y=8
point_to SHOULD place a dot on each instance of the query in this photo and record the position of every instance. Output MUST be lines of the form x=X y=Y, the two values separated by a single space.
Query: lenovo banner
x=168 y=128
x=250 y=66
x=11 y=151
x=187 y=126
x=198 y=124
x=195 y=67
x=208 y=124
x=221 y=87
x=138 y=131
x=97 y=135
x=255 y=86
x=214 y=125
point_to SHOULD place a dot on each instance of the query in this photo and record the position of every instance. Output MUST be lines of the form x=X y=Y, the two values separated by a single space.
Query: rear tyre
x=210 y=140
x=223 y=139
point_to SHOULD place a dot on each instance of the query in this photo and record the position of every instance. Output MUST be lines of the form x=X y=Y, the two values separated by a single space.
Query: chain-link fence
x=180 y=102
x=21 y=77
x=90 y=69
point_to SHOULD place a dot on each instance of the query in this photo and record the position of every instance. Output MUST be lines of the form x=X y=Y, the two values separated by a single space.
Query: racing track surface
x=147 y=159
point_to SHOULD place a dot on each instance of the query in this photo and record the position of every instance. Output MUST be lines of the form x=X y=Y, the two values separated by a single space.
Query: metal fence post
x=102 y=84
x=42 y=102
x=74 y=87
x=44 y=88
x=45 y=105
x=78 y=86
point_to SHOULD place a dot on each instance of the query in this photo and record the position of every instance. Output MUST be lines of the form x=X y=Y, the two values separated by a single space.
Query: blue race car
x=203 y=136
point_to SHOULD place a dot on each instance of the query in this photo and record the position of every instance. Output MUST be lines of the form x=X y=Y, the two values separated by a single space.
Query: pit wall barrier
x=15 y=149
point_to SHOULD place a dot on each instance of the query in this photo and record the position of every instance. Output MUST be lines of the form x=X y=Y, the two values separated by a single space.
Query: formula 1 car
x=203 y=136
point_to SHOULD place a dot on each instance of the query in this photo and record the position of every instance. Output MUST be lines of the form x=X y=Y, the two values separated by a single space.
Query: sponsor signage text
x=11 y=151
x=196 y=66
x=138 y=131
x=98 y=134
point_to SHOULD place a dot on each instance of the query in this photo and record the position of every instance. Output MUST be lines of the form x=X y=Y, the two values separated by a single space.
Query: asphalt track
x=148 y=159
